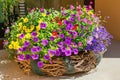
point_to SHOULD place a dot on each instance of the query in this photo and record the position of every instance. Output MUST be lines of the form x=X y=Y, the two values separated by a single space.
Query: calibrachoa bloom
x=43 y=25
x=35 y=56
x=40 y=64
x=44 y=42
x=48 y=33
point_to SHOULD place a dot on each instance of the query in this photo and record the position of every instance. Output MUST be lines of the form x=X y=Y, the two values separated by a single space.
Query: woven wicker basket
x=82 y=63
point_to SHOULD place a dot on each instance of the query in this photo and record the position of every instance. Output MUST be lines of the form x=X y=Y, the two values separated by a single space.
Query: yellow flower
x=24 y=27
x=20 y=24
x=10 y=46
x=43 y=14
x=32 y=27
x=25 y=20
x=17 y=35
x=38 y=28
x=28 y=36
x=90 y=13
x=23 y=40
x=12 y=42
x=27 y=30
x=16 y=47
x=39 y=21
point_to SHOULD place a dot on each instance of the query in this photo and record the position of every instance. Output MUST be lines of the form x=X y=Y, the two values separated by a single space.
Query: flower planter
x=55 y=43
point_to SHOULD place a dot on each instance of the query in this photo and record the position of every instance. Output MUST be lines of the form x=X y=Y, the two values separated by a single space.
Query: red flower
x=54 y=33
x=60 y=23
x=75 y=27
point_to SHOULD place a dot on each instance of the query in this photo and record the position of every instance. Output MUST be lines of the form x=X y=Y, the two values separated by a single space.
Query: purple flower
x=35 y=56
x=46 y=57
x=61 y=35
x=7 y=30
x=44 y=42
x=67 y=40
x=89 y=41
x=52 y=38
x=21 y=36
x=69 y=26
x=75 y=51
x=43 y=25
x=21 y=57
x=35 y=39
x=33 y=49
x=72 y=19
x=51 y=52
x=27 y=57
x=26 y=43
x=71 y=7
x=40 y=64
x=34 y=33
x=68 y=52
x=74 y=33
x=58 y=52
x=60 y=44
x=23 y=49
x=38 y=48
x=41 y=9
x=48 y=13
x=66 y=22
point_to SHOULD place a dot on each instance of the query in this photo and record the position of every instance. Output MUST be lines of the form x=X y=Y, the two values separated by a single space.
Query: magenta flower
x=26 y=43
x=52 y=38
x=40 y=64
x=72 y=7
x=34 y=33
x=38 y=48
x=75 y=51
x=44 y=42
x=33 y=49
x=61 y=35
x=7 y=30
x=35 y=39
x=43 y=25
x=21 y=36
x=23 y=49
x=27 y=57
x=46 y=57
x=68 y=52
x=21 y=57
x=35 y=56
x=51 y=52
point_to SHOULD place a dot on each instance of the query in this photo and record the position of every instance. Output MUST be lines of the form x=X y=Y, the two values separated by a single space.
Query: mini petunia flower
x=26 y=43
x=69 y=26
x=7 y=30
x=68 y=52
x=34 y=33
x=60 y=44
x=40 y=64
x=72 y=7
x=67 y=40
x=23 y=49
x=35 y=39
x=52 y=38
x=66 y=22
x=44 y=42
x=61 y=35
x=33 y=49
x=51 y=52
x=54 y=33
x=75 y=51
x=43 y=25
x=21 y=57
x=21 y=36
x=35 y=56
x=38 y=48
x=80 y=44
x=27 y=57
x=46 y=57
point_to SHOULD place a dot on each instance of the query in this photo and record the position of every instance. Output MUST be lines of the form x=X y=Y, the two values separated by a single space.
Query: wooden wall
x=52 y=3
x=110 y=8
